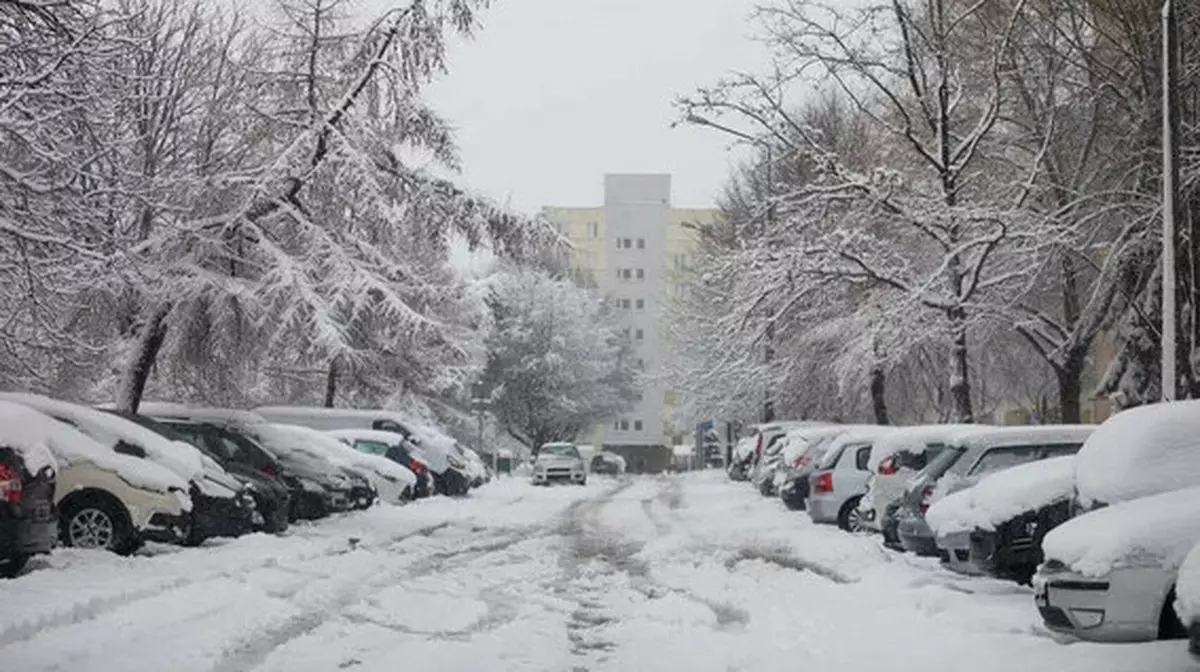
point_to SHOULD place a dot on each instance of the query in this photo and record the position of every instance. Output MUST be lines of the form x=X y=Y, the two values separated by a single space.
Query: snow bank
x=1141 y=451
x=28 y=432
x=1156 y=531
x=1003 y=496
x=1187 y=587
x=108 y=429
x=67 y=446
x=912 y=440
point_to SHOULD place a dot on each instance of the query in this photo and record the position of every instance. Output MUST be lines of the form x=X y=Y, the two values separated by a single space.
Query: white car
x=395 y=483
x=840 y=479
x=558 y=462
x=1108 y=573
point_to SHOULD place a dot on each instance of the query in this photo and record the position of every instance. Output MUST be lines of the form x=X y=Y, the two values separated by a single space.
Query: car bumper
x=28 y=536
x=574 y=476
x=1121 y=607
x=823 y=509
x=915 y=536
x=166 y=528
x=221 y=516
x=955 y=552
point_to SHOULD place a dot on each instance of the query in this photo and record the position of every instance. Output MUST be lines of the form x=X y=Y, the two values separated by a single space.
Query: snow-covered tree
x=557 y=359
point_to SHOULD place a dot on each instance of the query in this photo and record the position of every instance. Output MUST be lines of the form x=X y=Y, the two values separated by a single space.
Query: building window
x=626 y=274
x=637 y=425
x=624 y=425
x=618 y=274
x=640 y=334
x=641 y=243
x=641 y=274
x=641 y=304
x=616 y=424
x=626 y=332
x=680 y=262
x=625 y=243
x=593 y=230
x=624 y=304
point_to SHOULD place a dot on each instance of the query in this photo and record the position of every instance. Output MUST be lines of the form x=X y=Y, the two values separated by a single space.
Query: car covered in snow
x=221 y=506
x=840 y=478
x=105 y=499
x=558 y=462
x=895 y=459
x=608 y=463
x=968 y=456
x=1109 y=572
x=28 y=519
x=767 y=443
x=394 y=483
x=1004 y=518
x=392 y=446
x=449 y=469
x=741 y=458
x=802 y=452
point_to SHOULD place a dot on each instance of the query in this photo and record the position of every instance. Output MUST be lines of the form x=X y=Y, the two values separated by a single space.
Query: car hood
x=558 y=462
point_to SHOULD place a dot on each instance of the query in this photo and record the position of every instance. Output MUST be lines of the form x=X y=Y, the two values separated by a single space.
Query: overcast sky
x=552 y=94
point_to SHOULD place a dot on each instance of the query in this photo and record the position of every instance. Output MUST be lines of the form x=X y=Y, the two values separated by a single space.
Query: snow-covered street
x=673 y=573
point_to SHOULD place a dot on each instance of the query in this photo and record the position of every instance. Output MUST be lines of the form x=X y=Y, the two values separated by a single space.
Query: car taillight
x=926 y=498
x=801 y=461
x=11 y=489
x=269 y=470
x=824 y=482
x=416 y=467
x=888 y=467
x=758 y=447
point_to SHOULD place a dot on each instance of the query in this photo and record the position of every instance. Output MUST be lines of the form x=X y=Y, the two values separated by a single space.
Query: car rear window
x=371 y=447
x=830 y=458
x=1003 y=457
x=862 y=457
x=943 y=463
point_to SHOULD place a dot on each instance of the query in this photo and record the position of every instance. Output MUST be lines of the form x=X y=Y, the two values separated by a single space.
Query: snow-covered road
x=673 y=573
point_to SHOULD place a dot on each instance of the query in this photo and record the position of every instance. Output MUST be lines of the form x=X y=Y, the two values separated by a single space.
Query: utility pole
x=769 y=355
x=1170 y=185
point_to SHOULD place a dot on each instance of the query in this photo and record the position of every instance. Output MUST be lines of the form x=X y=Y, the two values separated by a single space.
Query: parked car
x=766 y=437
x=317 y=487
x=243 y=458
x=1110 y=574
x=840 y=478
x=1135 y=481
x=28 y=518
x=769 y=464
x=895 y=459
x=392 y=446
x=1004 y=517
x=448 y=468
x=393 y=482
x=803 y=451
x=742 y=457
x=558 y=462
x=105 y=500
x=477 y=472
x=221 y=506
x=608 y=463
x=969 y=456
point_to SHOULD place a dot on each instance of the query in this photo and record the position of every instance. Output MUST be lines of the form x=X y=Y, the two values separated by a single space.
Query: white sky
x=552 y=94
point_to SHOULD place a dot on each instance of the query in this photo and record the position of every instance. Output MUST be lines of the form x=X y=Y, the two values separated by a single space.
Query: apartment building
x=634 y=247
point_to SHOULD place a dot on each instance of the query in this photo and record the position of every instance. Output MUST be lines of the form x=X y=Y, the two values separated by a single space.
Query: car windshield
x=371 y=447
x=938 y=466
x=559 y=450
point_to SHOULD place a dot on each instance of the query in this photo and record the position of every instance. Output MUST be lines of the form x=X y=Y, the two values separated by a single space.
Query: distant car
x=608 y=463
x=392 y=446
x=28 y=518
x=558 y=462
x=969 y=456
x=801 y=454
x=840 y=479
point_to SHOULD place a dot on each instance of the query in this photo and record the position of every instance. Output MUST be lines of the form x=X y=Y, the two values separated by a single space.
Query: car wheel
x=12 y=566
x=849 y=519
x=277 y=522
x=1169 y=625
x=94 y=522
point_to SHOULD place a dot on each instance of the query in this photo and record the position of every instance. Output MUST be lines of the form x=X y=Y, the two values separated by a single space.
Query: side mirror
x=126 y=448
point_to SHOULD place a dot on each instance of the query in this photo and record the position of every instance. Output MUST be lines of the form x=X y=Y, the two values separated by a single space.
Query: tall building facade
x=634 y=247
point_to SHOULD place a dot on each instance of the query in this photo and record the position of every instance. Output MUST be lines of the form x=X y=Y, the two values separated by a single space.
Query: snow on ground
x=672 y=573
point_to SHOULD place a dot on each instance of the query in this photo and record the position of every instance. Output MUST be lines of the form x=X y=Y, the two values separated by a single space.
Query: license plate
x=1041 y=595
x=42 y=512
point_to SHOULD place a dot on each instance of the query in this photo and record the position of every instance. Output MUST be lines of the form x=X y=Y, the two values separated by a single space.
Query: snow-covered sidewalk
x=673 y=573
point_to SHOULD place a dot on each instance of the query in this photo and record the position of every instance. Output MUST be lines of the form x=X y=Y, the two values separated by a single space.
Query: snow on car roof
x=913 y=440
x=108 y=429
x=1004 y=495
x=380 y=436
x=20 y=423
x=339 y=453
x=1155 y=531
x=1141 y=451
x=800 y=439
x=231 y=417
x=989 y=436
x=27 y=432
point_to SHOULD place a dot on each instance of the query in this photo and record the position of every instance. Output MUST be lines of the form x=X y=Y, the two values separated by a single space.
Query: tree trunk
x=960 y=381
x=878 y=400
x=141 y=360
x=1070 y=388
x=331 y=383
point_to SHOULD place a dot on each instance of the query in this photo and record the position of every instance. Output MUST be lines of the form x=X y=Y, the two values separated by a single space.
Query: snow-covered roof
x=1141 y=451
x=228 y=417
x=182 y=458
x=912 y=440
x=67 y=446
x=1156 y=531
x=1004 y=495
x=799 y=440
x=984 y=436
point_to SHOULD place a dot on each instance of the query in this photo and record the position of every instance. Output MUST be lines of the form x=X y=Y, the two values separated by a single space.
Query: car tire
x=94 y=521
x=278 y=521
x=848 y=515
x=10 y=567
x=1169 y=624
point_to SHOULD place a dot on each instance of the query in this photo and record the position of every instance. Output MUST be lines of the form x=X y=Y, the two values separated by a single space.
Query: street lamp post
x=1170 y=182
